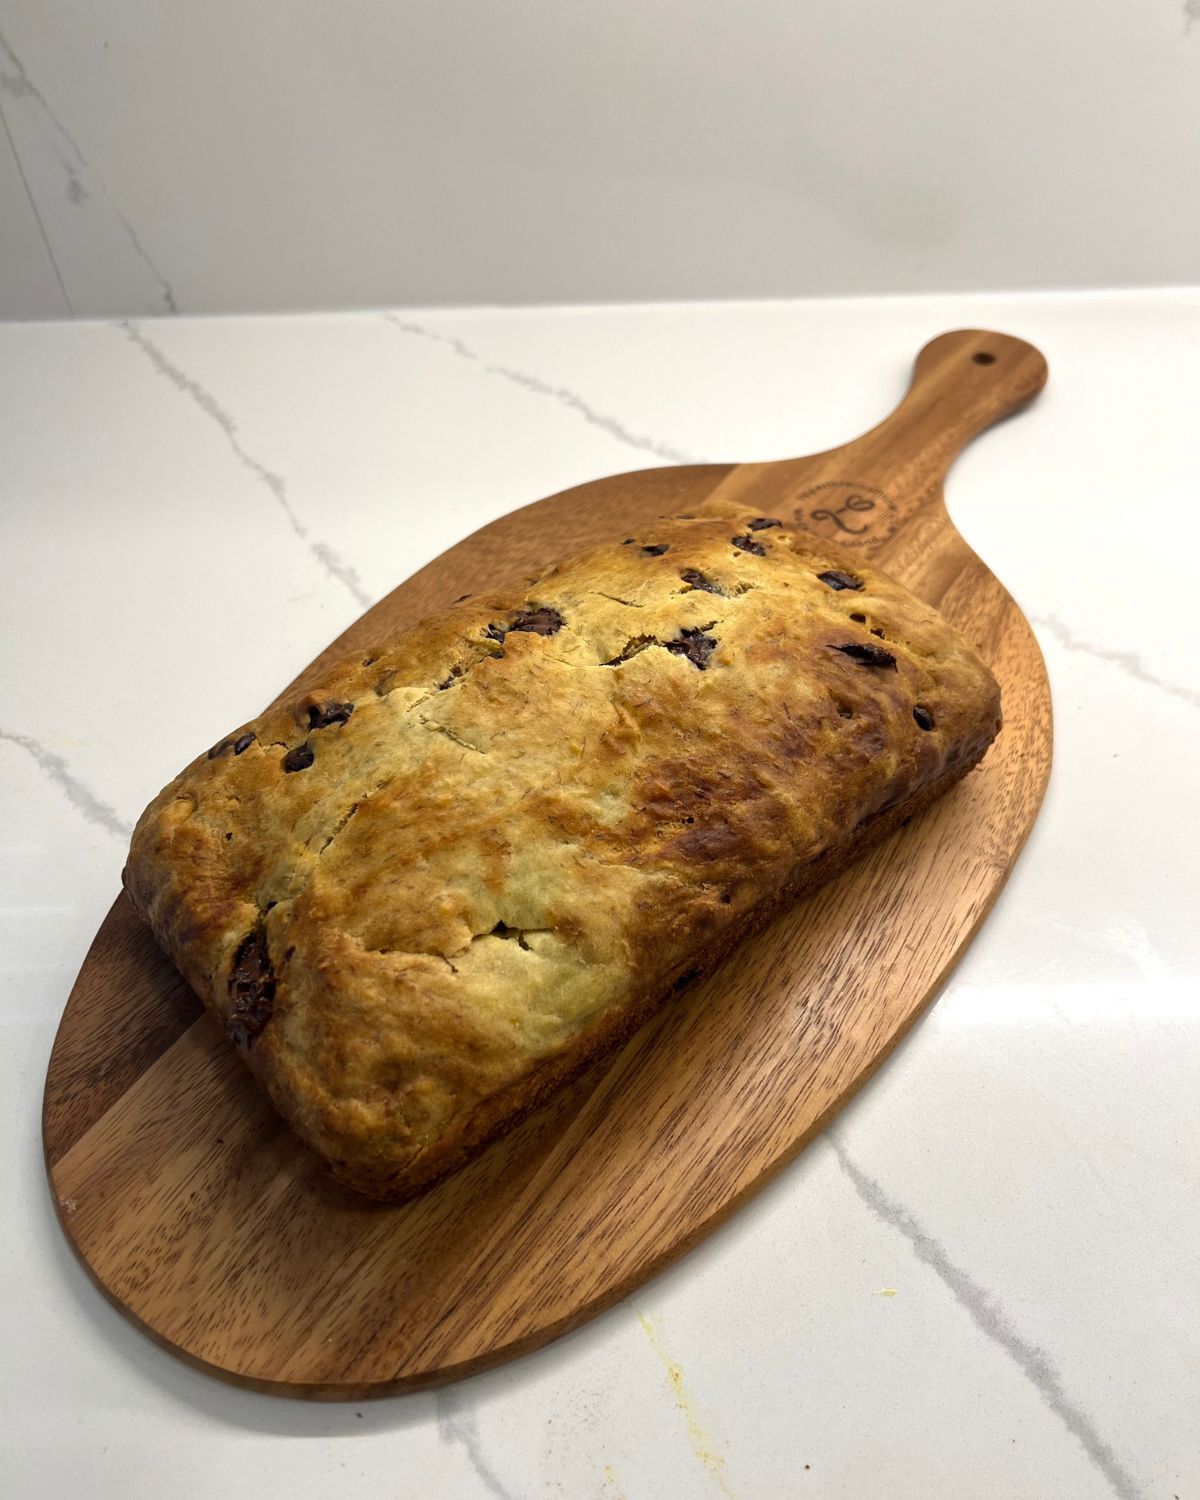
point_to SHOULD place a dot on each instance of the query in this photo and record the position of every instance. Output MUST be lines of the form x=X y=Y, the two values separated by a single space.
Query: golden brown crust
x=424 y=896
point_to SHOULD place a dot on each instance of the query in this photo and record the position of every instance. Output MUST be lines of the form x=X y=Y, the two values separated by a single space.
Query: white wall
x=211 y=155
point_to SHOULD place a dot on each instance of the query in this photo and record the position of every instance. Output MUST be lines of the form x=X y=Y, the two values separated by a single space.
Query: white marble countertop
x=984 y=1280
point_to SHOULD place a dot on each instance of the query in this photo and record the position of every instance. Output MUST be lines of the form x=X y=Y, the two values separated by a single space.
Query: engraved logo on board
x=854 y=515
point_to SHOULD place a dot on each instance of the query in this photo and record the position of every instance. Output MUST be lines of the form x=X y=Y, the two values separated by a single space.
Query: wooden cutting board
x=203 y=1218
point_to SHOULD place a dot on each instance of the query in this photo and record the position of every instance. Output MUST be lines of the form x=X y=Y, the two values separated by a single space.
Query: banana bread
x=425 y=896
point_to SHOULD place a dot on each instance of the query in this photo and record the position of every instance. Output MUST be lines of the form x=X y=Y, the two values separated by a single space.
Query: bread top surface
x=403 y=891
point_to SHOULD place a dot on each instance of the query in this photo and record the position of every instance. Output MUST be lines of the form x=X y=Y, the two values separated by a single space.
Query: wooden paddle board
x=201 y=1216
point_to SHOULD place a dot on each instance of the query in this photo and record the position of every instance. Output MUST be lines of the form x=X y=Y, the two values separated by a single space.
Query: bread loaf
x=428 y=894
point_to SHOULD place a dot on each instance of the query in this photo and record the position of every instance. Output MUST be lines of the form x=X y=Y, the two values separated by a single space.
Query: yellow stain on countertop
x=888 y=1291
x=610 y=1477
x=701 y=1442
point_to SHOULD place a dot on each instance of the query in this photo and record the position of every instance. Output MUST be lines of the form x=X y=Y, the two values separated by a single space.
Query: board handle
x=962 y=382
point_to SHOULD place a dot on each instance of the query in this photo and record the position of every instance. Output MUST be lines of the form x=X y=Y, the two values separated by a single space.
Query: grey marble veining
x=337 y=567
x=82 y=187
x=539 y=387
x=992 y=1321
x=16 y=84
x=93 y=808
x=32 y=201
x=1128 y=662
x=457 y=1424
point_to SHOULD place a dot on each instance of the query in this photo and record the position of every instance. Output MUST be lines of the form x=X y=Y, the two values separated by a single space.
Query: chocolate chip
x=838 y=580
x=322 y=715
x=923 y=717
x=251 y=990
x=748 y=544
x=695 y=645
x=877 y=630
x=696 y=580
x=541 y=620
x=859 y=619
x=869 y=656
x=455 y=674
x=236 y=743
x=761 y=523
x=655 y=549
x=299 y=759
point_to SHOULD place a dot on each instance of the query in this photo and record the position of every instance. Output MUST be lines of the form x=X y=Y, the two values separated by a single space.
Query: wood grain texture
x=205 y=1220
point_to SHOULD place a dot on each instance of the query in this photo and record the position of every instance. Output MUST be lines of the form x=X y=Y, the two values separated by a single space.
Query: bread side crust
x=504 y=1111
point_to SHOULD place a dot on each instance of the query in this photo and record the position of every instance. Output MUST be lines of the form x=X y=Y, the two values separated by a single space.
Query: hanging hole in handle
x=984 y=358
